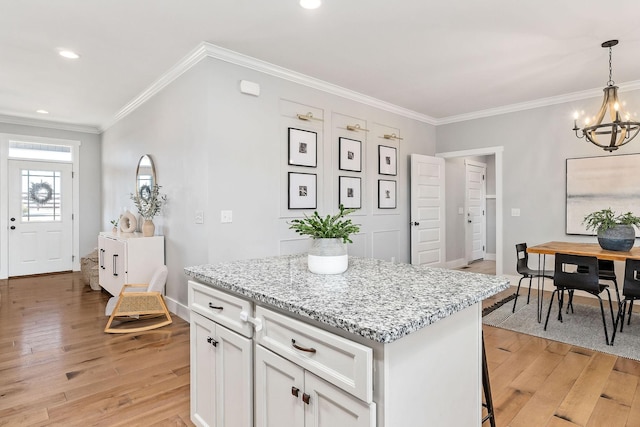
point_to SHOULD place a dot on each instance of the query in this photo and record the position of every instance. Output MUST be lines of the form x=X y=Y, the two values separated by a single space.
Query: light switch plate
x=515 y=211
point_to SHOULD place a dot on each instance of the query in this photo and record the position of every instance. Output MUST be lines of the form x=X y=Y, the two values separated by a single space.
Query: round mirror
x=145 y=177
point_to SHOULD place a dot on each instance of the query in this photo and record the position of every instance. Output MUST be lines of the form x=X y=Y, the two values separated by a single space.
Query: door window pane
x=41 y=196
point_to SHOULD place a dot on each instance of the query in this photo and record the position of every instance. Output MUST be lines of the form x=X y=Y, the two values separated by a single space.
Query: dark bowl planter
x=619 y=238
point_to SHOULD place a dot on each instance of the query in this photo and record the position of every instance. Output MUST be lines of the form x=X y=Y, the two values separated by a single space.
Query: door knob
x=13 y=219
x=469 y=221
x=13 y=227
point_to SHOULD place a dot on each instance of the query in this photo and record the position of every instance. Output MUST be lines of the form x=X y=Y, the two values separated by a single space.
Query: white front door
x=476 y=228
x=40 y=217
x=427 y=211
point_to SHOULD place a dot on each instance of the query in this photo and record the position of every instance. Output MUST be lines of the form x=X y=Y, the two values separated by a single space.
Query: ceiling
x=441 y=59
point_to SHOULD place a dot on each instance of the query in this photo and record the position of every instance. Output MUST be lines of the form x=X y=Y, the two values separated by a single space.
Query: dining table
x=574 y=248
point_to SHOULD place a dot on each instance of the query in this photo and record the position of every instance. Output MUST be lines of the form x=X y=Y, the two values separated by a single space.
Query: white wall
x=536 y=144
x=89 y=177
x=218 y=149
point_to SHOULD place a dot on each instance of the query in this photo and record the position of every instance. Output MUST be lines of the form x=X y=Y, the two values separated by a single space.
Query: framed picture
x=386 y=194
x=595 y=183
x=350 y=155
x=387 y=161
x=302 y=190
x=350 y=190
x=303 y=148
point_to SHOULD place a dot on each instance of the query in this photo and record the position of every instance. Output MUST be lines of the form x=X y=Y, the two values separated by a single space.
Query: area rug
x=582 y=328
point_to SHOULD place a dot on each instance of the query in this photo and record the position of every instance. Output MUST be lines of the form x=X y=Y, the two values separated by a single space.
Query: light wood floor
x=57 y=367
x=538 y=382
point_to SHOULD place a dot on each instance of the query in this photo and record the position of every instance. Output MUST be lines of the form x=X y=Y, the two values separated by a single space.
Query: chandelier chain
x=610 y=82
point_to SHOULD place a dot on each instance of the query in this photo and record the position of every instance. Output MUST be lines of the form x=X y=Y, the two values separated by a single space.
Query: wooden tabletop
x=588 y=249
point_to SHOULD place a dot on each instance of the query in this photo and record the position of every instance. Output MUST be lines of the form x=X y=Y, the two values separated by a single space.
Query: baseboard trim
x=179 y=309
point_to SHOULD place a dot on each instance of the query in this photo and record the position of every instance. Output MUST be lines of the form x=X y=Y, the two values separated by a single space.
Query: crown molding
x=27 y=121
x=543 y=102
x=208 y=50
x=184 y=65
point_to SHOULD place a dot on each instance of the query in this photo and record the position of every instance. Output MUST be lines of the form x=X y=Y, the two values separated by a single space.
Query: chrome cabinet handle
x=297 y=347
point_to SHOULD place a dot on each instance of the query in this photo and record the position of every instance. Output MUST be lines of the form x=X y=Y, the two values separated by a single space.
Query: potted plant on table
x=328 y=252
x=148 y=207
x=615 y=232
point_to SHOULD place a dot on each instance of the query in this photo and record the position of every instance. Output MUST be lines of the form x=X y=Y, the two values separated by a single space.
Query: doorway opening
x=496 y=153
x=40 y=205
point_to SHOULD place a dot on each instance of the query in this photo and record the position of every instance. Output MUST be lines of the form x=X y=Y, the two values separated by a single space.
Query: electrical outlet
x=226 y=216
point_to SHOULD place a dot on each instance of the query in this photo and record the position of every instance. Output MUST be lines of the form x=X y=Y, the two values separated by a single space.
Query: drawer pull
x=212 y=341
x=294 y=391
x=297 y=347
x=215 y=307
x=306 y=398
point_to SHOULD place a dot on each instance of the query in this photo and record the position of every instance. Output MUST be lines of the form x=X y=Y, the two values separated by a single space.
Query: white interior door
x=476 y=225
x=40 y=217
x=427 y=211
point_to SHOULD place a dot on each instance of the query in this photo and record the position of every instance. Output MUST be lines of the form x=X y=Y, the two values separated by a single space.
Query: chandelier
x=621 y=130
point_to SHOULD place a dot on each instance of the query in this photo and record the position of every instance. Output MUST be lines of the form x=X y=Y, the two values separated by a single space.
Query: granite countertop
x=378 y=300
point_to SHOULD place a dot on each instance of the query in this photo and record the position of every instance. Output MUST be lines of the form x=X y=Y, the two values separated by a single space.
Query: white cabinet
x=127 y=258
x=221 y=375
x=221 y=359
x=290 y=396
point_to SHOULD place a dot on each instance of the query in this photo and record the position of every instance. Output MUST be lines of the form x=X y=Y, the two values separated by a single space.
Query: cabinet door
x=329 y=406
x=221 y=375
x=203 y=362
x=234 y=379
x=278 y=381
x=112 y=264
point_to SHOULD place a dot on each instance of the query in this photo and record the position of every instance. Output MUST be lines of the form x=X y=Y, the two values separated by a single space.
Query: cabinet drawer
x=220 y=307
x=346 y=364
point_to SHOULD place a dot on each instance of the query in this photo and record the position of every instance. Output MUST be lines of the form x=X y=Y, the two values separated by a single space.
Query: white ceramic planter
x=328 y=256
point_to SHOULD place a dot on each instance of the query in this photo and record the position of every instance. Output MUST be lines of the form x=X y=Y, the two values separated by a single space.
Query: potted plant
x=148 y=207
x=114 y=223
x=328 y=252
x=615 y=232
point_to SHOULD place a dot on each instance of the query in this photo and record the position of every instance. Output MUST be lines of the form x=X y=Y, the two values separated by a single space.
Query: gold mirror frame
x=145 y=177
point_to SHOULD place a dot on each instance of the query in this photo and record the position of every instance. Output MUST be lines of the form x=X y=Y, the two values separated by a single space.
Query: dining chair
x=578 y=273
x=606 y=271
x=522 y=266
x=630 y=292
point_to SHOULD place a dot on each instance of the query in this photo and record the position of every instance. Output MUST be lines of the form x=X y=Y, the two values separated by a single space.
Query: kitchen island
x=389 y=344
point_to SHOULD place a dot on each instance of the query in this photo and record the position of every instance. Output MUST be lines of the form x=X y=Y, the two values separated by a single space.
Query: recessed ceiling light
x=69 y=54
x=310 y=4
x=42 y=111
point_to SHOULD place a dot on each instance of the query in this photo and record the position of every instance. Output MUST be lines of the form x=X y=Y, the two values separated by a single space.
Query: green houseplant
x=328 y=252
x=615 y=232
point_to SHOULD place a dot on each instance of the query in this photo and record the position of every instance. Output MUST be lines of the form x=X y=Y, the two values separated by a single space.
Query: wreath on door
x=41 y=193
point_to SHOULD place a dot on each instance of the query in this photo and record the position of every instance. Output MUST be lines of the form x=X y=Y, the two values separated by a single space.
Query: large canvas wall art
x=595 y=183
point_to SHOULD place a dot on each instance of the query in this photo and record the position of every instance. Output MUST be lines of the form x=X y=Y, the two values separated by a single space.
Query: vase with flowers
x=148 y=207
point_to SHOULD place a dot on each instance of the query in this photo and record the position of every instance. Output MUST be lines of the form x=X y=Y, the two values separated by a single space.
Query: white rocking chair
x=139 y=303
